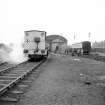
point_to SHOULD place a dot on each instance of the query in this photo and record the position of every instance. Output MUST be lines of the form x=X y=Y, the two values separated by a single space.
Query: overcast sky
x=65 y=17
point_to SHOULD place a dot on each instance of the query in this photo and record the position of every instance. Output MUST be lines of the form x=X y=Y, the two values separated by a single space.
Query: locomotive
x=35 y=47
x=81 y=48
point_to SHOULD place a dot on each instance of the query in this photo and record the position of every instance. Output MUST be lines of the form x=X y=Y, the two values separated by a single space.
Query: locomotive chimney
x=37 y=40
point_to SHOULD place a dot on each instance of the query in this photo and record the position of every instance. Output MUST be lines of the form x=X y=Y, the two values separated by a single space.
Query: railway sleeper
x=19 y=72
x=12 y=75
x=7 y=78
x=9 y=97
x=7 y=69
x=16 y=92
x=12 y=99
x=22 y=85
x=15 y=81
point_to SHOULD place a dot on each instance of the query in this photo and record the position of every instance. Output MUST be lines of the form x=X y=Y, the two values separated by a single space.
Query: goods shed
x=57 y=43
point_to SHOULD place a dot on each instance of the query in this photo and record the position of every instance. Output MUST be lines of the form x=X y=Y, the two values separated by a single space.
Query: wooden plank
x=16 y=92
x=9 y=99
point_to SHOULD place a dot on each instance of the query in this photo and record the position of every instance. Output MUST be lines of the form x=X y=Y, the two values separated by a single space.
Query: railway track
x=6 y=66
x=13 y=75
x=2 y=63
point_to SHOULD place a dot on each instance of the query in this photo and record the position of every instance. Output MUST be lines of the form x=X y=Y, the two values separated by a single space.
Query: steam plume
x=12 y=53
x=17 y=56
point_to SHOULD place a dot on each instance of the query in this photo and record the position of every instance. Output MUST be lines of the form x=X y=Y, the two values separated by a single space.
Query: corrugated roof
x=53 y=37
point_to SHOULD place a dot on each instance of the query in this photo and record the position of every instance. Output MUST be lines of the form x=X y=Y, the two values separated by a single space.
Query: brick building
x=57 y=43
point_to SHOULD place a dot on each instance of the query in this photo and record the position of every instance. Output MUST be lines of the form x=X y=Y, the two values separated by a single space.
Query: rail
x=7 y=80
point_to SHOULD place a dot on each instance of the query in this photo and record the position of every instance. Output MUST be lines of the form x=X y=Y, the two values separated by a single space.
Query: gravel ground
x=67 y=81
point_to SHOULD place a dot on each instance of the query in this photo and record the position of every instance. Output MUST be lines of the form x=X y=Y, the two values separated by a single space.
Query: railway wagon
x=35 y=47
x=82 y=47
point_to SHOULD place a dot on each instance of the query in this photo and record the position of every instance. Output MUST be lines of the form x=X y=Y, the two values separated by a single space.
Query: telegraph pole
x=74 y=35
x=89 y=35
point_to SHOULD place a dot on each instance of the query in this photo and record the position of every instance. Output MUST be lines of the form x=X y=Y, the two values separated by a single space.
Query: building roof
x=50 y=38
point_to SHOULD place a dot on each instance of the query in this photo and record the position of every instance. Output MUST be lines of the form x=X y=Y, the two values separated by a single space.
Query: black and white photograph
x=52 y=52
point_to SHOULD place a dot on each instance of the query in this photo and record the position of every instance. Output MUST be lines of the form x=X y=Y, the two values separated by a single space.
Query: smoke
x=4 y=52
x=4 y=56
x=17 y=56
x=13 y=53
x=12 y=38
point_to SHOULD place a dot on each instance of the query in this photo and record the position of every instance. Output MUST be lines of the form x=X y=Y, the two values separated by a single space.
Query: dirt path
x=66 y=81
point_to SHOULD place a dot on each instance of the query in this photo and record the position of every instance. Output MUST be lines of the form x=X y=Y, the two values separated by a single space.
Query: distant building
x=100 y=44
x=57 y=43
